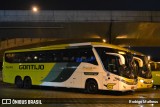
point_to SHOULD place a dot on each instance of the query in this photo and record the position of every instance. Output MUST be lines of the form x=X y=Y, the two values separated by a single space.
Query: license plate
x=148 y=86
x=132 y=88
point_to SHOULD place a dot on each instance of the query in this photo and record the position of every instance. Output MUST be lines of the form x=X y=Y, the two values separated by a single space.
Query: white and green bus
x=155 y=68
x=144 y=73
x=92 y=66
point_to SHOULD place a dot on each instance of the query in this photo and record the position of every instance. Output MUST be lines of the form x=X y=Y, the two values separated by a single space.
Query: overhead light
x=121 y=37
x=149 y=57
x=104 y=40
x=35 y=9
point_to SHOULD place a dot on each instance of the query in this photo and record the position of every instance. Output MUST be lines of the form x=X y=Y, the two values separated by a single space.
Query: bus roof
x=64 y=46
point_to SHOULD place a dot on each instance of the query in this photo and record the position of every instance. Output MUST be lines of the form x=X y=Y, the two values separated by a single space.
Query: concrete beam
x=78 y=16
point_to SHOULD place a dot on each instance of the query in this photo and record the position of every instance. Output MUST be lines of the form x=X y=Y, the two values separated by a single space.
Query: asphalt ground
x=69 y=97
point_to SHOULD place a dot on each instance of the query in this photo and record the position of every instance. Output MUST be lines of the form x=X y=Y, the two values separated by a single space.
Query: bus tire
x=27 y=82
x=91 y=86
x=18 y=82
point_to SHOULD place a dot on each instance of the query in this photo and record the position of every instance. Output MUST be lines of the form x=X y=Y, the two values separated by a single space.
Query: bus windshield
x=144 y=71
x=130 y=65
x=113 y=62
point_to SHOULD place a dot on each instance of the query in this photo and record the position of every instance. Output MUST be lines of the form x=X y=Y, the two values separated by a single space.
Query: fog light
x=142 y=81
x=152 y=81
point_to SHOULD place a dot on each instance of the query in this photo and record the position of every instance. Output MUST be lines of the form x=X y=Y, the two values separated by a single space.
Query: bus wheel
x=18 y=82
x=91 y=86
x=27 y=83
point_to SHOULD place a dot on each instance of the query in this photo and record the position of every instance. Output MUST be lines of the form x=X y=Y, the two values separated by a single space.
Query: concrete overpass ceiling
x=54 y=30
x=136 y=34
x=127 y=28
x=122 y=33
x=124 y=22
x=142 y=30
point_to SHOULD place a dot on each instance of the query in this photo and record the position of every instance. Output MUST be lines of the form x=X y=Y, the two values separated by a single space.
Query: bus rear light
x=148 y=86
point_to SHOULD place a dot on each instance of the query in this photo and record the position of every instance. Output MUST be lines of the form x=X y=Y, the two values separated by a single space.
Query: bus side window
x=78 y=59
x=86 y=55
x=81 y=56
x=53 y=57
x=84 y=59
x=66 y=56
x=92 y=60
x=18 y=58
x=65 y=59
x=112 y=65
x=57 y=57
x=9 y=57
x=28 y=59
x=72 y=59
x=43 y=57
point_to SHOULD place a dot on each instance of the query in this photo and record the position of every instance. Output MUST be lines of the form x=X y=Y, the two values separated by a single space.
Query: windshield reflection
x=129 y=69
x=144 y=71
x=112 y=62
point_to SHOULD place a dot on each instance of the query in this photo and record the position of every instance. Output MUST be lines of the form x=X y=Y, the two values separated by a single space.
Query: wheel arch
x=88 y=79
x=18 y=76
x=28 y=77
x=18 y=81
x=27 y=82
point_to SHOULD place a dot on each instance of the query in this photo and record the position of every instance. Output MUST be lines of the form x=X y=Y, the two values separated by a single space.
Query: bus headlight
x=152 y=81
x=141 y=81
x=134 y=82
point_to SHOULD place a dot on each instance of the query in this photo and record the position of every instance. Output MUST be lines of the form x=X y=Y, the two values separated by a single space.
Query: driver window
x=112 y=63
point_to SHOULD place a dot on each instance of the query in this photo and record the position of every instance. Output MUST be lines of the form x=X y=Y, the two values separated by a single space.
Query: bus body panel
x=155 y=68
x=156 y=77
x=13 y=70
x=65 y=74
x=144 y=83
x=110 y=83
x=126 y=84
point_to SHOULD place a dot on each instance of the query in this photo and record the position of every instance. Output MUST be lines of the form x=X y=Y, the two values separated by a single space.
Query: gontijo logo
x=110 y=85
x=31 y=67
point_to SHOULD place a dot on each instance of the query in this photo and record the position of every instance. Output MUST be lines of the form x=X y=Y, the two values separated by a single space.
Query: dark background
x=140 y=5
x=133 y=5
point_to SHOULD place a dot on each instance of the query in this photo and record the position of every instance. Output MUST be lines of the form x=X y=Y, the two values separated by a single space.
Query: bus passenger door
x=111 y=64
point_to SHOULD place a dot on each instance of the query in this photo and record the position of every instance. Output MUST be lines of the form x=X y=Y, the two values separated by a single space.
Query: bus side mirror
x=140 y=62
x=121 y=60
